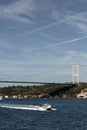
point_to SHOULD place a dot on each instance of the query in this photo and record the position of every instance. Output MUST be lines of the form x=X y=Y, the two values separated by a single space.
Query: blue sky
x=41 y=35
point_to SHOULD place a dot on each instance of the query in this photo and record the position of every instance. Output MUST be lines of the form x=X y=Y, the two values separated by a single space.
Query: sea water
x=27 y=114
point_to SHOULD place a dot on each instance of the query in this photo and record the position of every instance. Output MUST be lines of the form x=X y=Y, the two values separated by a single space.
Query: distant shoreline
x=54 y=90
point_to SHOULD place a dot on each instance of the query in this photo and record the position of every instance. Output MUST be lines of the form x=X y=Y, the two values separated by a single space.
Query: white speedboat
x=47 y=106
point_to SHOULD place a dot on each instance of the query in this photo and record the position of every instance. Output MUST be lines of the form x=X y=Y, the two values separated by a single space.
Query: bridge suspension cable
x=83 y=69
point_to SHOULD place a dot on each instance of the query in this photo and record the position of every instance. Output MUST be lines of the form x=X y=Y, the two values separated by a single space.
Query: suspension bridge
x=71 y=74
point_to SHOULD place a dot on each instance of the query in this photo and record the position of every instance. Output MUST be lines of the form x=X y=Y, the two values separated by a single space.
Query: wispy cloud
x=78 y=21
x=18 y=11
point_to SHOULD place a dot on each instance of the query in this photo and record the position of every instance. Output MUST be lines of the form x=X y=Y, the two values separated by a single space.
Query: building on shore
x=82 y=94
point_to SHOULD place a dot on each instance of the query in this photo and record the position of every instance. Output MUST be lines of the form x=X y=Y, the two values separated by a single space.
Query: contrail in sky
x=37 y=29
x=49 y=26
x=68 y=42
x=40 y=28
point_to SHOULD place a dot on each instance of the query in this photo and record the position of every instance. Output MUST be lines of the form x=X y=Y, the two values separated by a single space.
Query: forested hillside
x=41 y=91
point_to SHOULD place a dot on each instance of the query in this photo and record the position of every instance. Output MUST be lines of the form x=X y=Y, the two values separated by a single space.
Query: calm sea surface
x=67 y=114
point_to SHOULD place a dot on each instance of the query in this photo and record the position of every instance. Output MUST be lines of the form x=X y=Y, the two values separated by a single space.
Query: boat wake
x=24 y=107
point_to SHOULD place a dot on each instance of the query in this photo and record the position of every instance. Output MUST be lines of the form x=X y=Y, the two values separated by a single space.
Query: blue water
x=69 y=114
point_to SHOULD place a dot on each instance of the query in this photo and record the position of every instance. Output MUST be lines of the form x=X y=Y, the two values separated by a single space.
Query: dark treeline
x=46 y=90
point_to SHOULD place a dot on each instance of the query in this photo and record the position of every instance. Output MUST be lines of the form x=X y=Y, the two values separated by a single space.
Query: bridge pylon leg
x=75 y=74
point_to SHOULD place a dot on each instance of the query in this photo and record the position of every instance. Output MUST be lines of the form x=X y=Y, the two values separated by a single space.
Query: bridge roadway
x=29 y=82
x=24 y=82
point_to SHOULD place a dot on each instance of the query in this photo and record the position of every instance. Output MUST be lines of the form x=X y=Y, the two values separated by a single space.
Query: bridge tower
x=75 y=74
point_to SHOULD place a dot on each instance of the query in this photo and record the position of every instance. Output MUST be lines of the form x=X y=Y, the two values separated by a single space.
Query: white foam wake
x=23 y=107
